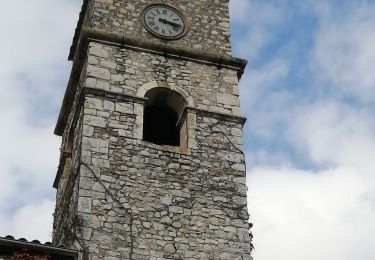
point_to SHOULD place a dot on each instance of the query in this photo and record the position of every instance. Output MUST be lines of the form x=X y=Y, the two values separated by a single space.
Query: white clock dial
x=164 y=21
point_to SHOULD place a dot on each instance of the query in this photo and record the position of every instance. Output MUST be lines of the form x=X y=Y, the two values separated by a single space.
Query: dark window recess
x=160 y=125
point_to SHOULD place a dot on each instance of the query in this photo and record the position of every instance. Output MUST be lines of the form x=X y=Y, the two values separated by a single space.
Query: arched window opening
x=160 y=126
x=162 y=117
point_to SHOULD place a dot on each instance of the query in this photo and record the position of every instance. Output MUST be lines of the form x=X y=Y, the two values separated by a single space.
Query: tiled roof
x=11 y=242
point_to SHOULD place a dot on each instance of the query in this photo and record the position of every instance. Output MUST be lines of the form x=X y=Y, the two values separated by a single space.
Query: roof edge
x=34 y=246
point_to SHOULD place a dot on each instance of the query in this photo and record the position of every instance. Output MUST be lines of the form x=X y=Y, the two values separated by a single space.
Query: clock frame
x=165 y=12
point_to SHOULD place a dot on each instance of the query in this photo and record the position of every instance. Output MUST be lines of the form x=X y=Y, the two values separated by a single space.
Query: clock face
x=164 y=21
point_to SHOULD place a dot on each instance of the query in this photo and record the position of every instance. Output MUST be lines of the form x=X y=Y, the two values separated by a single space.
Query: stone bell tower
x=152 y=163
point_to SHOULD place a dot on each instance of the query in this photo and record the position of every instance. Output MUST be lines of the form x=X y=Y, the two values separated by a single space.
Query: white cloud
x=260 y=13
x=259 y=82
x=308 y=214
x=311 y=176
x=311 y=215
x=258 y=91
x=33 y=76
x=259 y=18
x=34 y=221
x=345 y=49
x=335 y=133
x=318 y=214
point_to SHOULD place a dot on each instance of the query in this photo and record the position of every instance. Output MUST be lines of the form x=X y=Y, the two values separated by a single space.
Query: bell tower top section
x=206 y=27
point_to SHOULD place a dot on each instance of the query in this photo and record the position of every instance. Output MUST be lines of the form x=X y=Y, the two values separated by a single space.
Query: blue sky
x=308 y=93
x=309 y=97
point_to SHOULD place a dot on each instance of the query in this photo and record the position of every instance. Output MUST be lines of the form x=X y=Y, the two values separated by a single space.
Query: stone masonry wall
x=142 y=201
x=209 y=27
x=124 y=71
x=136 y=200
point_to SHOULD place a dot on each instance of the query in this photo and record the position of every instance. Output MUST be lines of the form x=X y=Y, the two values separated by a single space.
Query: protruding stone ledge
x=112 y=95
x=221 y=116
x=163 y=48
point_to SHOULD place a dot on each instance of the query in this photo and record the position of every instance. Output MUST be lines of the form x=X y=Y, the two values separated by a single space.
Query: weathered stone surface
x=169 y=248
x=208 y=87
x=97 y=72
x=130 y=199
x=208 y=24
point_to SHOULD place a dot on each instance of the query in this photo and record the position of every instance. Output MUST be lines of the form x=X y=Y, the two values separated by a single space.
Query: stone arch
x=186 y=118
x=162 y=84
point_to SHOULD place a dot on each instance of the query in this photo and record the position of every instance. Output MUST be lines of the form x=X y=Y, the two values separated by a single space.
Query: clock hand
x=169 y=22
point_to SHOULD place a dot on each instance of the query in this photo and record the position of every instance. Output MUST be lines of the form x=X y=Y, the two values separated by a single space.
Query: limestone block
x=86 y=183
x=84 y=205
x=88 y=130
x=97 y=72
x=86 y=233
x=98 y=50
x=239 y=167
x=94 y=121
x=91 y=82
x=240 y=180
x=117 y=78
x=92 y=60
x=147 y=225
x=166 y=220
x=236 y=110
x=243 y=234
x=125 y=108
x=95 y=145
x=169 y=248
x=94 y=103
x=176 y=209
x=236 y=90
x=167 y=200
x=109 y=105
x=102 y=84
x=231 y=79
x=236 y=132
x=108 y=64
x=227 y=99
x=130 y=71
x=138 y=109
x=90 y=111
x=239 y=201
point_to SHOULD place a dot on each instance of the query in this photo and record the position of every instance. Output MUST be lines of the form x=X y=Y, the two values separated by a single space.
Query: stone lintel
x=111 y=95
